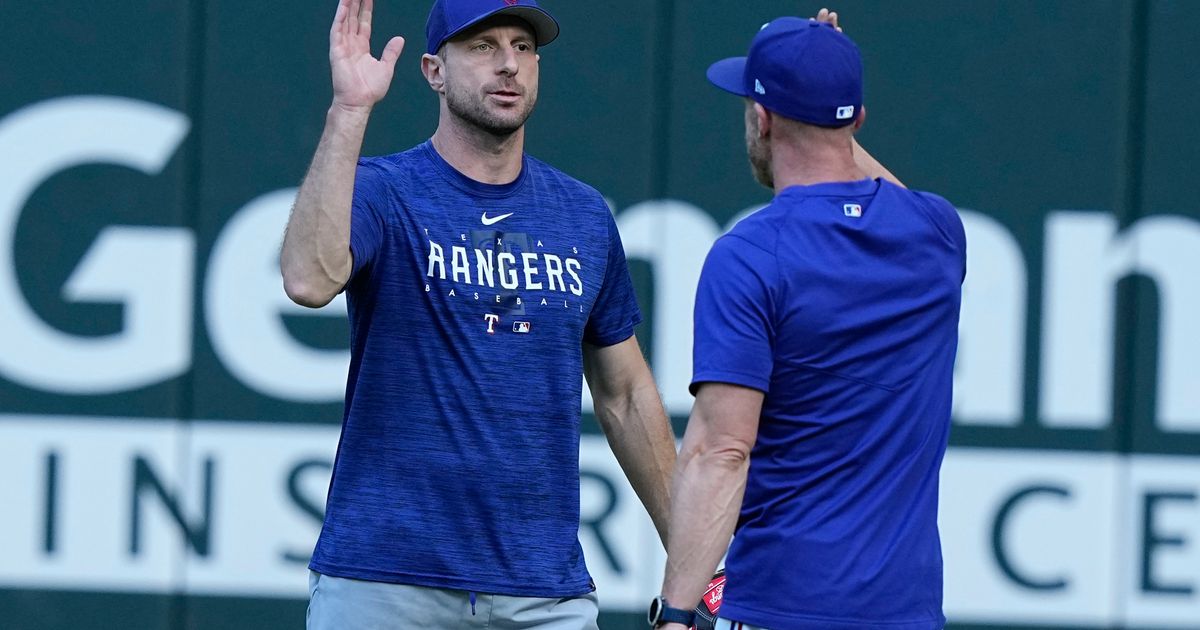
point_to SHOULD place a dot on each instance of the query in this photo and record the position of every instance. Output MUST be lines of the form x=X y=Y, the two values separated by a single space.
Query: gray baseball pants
x=345 y=604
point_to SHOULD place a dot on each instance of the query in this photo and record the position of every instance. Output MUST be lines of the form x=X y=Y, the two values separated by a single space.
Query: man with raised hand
x=825 y=336
x=481 y=285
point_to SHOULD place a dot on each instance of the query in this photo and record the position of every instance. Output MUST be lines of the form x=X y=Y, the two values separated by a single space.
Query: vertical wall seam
x=1132 y=180
x=185 y=410
x=661 y=118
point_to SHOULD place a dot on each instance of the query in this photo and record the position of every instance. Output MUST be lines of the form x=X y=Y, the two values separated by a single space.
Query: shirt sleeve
x=735 y=316
x=366 y=217
x=616 y=312
x=960 y=235
x=950 y=223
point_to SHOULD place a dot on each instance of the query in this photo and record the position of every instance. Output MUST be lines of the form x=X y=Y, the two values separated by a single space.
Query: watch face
x=655 y=613
x=660 y=613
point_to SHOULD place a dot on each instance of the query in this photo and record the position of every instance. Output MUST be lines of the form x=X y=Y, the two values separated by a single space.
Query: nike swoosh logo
x=494 y=220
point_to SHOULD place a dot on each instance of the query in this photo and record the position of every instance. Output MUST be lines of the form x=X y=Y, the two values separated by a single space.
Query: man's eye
x=524 y=47
x=483 y=47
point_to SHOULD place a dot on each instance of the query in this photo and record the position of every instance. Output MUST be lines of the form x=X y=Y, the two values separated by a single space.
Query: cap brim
x=729 y=75
x=545 y=27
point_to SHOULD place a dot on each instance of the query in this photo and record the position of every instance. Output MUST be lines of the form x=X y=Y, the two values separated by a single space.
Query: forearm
x=315 y=259
x=872 y=167
x=711 y=484
x=640 y=436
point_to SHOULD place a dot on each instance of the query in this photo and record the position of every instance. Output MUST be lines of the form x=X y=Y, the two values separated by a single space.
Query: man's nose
x=508 y=62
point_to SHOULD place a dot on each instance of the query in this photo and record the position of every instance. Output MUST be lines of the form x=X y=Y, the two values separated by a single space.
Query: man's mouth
x=505 y=96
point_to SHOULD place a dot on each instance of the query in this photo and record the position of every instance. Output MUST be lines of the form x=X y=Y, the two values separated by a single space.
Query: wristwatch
x=660 y=613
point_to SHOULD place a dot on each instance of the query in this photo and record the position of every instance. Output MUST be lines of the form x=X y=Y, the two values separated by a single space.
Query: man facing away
x=826 y=330
x=481 y=284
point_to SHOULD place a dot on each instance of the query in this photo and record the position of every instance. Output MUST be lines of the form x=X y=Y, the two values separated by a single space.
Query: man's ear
x=764 y=120
x=861 y=119
x=434 y=69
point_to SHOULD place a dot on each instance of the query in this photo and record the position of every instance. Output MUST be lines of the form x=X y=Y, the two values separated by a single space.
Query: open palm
x=359 y=80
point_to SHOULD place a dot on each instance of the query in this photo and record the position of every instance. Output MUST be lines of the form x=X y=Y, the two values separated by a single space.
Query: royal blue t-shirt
x=840 y=301
x=458 y=465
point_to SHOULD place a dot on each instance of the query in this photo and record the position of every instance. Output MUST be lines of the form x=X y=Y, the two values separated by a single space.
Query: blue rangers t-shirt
x=458 y=465
x=840 y=302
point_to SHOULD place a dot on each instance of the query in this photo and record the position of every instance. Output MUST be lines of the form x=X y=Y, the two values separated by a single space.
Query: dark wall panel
x=1162 y=302
x=131 y=50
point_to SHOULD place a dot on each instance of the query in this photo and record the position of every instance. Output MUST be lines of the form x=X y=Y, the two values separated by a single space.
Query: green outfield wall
x=168 y=418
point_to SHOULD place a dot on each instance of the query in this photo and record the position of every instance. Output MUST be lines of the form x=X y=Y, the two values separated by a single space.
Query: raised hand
x=831 y=17
x=359 y=80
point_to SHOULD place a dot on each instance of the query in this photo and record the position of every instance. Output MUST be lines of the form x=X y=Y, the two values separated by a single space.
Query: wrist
x=663 y=615
x=342 y=111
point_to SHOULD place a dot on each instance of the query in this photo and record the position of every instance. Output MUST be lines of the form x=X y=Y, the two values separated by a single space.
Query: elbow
x=305 y=294
x=310 y=277
x=730 y=455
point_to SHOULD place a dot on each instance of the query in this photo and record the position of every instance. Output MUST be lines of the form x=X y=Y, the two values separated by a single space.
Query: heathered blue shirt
x=458 y=465
x=840 y=301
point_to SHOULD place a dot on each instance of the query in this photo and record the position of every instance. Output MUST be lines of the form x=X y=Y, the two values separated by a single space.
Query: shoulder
x=394 y=168
x=749 y=244
x=563 y=185
x=940 y=212
x=933 y=202
x=760 y=229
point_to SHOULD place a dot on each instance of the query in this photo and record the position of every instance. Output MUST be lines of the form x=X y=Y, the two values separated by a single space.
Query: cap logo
x=845 y=113
x=758 y=87
x=511 y=2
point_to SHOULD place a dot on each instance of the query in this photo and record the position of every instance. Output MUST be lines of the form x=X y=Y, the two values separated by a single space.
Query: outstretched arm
x=631 y=414
x=862 y=158
x=710 y=479
x=869 y=165
x=316 y=260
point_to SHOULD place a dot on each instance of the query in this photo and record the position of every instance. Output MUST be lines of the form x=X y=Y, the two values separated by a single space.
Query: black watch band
x=660 y=613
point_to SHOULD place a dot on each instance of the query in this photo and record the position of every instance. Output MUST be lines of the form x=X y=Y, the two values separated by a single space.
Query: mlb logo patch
x=522 y=327
x=845 y=112
x=852 y=210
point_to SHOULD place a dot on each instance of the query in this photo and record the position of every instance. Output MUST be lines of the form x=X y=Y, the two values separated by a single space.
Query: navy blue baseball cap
x=800 y=69
x=451 y=17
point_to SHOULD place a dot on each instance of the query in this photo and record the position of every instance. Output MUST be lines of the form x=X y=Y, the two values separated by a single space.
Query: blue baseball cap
x=451 y=17
x=800 y=69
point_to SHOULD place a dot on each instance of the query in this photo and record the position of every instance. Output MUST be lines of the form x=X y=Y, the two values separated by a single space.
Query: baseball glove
x=710 y=604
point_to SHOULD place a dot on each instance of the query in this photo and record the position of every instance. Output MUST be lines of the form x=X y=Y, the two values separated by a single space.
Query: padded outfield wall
x=167 y=418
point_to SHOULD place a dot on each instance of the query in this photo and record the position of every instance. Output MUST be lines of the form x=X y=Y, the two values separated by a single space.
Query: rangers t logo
x=491 y=320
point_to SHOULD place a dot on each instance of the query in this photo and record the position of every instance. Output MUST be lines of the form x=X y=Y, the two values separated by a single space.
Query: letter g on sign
x=147 y=269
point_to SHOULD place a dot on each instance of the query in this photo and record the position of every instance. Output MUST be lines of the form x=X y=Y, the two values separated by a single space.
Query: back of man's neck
x=809 y=168
x=479 y=155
